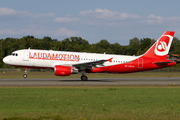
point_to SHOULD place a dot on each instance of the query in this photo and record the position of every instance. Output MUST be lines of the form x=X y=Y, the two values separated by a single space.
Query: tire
x=25 y=75
x=84 y=78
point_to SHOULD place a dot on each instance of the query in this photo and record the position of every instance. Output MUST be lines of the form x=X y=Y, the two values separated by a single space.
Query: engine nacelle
x=60 y=70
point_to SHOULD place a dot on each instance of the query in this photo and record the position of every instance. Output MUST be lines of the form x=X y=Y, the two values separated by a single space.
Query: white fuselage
x=48 y=58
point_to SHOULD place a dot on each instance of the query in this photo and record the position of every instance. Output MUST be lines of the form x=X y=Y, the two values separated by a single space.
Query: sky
x=93 y=20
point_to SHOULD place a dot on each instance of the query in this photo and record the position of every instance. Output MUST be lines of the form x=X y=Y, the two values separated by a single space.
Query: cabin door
x=26 y=56
x=140 y=63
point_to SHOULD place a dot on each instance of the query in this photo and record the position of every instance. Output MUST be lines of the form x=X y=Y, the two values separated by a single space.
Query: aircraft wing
x=90 y=65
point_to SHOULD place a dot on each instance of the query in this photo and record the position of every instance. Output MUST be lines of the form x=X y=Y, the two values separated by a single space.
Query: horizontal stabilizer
x=161 y=63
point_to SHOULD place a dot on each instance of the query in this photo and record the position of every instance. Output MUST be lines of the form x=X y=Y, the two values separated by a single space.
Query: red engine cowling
x=62 y=70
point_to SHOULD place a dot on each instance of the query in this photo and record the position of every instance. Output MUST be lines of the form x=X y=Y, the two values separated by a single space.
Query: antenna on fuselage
x=29 y=48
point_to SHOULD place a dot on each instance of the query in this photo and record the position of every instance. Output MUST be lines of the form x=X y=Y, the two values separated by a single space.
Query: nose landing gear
x=25 y=75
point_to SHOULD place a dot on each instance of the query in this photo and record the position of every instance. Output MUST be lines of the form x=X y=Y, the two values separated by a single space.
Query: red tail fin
x=161 y=47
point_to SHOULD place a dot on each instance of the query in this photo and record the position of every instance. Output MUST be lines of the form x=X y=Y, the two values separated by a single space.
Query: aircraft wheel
x=84 y=78
x=25 y=75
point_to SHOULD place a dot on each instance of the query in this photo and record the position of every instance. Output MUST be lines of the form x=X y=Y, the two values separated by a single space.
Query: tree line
x=77 y=44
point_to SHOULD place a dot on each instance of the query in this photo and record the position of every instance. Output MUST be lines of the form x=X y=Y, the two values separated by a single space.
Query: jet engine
x=60 y=70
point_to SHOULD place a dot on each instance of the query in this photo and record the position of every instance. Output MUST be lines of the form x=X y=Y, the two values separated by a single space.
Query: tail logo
x=162 y=46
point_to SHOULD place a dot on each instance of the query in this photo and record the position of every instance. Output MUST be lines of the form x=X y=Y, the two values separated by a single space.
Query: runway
x=91 y=81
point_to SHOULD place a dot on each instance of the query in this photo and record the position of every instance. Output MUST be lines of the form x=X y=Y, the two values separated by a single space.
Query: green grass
x=18 y=74
x=90 y=102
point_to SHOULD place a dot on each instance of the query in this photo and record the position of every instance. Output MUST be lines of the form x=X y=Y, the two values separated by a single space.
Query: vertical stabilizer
x=161 y=47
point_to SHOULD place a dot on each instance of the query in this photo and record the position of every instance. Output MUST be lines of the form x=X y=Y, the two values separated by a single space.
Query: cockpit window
x=14 y=54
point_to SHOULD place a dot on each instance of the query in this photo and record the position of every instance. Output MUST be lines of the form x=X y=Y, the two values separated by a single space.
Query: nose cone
x=5 y=60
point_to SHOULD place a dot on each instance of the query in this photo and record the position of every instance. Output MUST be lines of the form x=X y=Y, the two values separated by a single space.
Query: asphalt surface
x=91 y=81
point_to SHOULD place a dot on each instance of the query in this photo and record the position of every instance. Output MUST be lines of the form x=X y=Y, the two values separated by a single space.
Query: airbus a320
x=65 y=63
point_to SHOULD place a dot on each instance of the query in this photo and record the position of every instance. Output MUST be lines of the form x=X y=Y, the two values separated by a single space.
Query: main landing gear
x=84 y=77
x=25 y=75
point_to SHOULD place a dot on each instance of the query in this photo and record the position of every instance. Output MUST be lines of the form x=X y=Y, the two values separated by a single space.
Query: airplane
x=65 y=63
